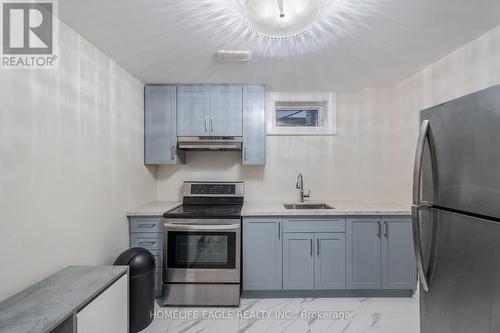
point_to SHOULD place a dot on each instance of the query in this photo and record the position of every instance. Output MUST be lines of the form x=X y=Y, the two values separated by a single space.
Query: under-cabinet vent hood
x=210 y=142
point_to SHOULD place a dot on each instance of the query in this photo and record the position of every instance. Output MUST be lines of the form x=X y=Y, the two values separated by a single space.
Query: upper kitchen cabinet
x=209 y=110
x=160 y=126
x=226 y=114
x=226 y=118
x=193 y=110
x=254 y=131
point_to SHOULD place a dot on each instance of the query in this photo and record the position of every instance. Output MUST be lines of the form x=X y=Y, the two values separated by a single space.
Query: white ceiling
x=356 y=43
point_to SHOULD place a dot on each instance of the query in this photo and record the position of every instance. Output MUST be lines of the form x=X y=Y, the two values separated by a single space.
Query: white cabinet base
x=108 y=312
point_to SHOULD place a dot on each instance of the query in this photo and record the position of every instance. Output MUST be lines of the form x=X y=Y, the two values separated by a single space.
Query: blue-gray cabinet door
x=193 y=110
x=226 y=113
x=329 y=266
x=398 y=259
x=363 y=238
x=298 y=261
x=160 y=123
x=254 y=123
x=262 y=254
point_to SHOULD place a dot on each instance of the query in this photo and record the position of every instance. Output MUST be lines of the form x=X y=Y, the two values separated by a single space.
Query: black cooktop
x=227 y=211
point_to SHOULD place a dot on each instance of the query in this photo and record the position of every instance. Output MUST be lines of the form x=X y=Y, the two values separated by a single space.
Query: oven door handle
x=182 y=226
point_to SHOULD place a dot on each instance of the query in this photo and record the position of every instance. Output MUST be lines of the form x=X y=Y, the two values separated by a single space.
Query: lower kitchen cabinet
x=380 y=253
x=313 y=261
x=147 y=232
x=398 y=263
x=108 y=312
x=329 y=268
x=262 y=254
x=363 y=253
x=298 y=261
x=328 y=253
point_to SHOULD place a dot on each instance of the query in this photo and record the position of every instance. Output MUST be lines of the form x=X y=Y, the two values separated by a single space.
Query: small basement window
x=301 y=113
x=297 y=117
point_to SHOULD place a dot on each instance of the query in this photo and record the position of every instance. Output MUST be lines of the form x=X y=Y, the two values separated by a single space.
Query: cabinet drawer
x=158 y=254
x=158 y=285
x=314 y=224
x=150 y=241
x=146 y=225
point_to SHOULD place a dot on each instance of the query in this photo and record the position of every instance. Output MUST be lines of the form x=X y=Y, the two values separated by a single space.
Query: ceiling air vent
x=225 y=55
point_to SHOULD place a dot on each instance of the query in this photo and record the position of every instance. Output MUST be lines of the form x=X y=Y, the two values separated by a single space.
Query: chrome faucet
x=300 y=186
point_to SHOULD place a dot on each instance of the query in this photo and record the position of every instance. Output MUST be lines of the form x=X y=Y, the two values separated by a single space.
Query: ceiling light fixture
x=281 y=19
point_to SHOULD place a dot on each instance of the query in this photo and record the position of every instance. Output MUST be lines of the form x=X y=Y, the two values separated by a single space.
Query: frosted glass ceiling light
x=279 y=19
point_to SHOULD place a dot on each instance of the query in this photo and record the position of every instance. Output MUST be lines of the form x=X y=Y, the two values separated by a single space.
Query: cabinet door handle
x=206 y=124
x=211 y=124
x=317 y=246
x=386 y=229
x=147 y=243
x=279 y=230
x=172 y=153
x=311 y=247
x=244 y=154
x=378 y=229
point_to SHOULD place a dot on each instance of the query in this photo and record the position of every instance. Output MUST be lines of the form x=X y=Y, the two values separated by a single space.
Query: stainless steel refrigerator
x=456 y=215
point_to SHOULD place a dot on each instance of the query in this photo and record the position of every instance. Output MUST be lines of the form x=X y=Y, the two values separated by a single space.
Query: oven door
x=201 y=251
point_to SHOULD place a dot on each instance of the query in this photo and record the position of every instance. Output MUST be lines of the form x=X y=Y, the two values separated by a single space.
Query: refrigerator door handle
x=415 y=209
x=419 y=156
x=418 y=204
x=415 y=213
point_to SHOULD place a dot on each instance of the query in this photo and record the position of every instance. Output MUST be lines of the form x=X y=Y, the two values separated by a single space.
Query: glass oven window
x=199 y=249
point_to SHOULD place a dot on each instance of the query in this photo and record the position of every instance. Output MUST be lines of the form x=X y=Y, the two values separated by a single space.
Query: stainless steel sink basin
x=308 y=206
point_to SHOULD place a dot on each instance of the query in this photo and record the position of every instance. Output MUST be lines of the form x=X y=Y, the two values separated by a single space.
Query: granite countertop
x=46 y=304
x=267 y=208
x=155 y=208
x=275 y=208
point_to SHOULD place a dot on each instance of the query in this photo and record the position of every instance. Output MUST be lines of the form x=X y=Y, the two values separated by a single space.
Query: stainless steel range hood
x=210 y=142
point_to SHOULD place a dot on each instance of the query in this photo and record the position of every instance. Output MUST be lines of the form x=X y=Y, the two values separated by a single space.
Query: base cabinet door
x=398 y=259
x=262 y=254
x=329 y=267
x=363 y=253
x=298 y=261
x=108 y=312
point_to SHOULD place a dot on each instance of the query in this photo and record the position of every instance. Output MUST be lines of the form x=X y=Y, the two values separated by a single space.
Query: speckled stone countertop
x=276 y=208
x=345 y=208
x=46 y=304
x=155 y=208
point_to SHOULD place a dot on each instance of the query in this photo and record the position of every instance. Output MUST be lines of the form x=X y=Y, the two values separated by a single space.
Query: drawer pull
x=149 y=225
x=147 y=243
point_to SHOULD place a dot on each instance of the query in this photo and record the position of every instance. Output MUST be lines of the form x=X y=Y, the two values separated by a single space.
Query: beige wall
x=356 y=164
x=471 y=68
x=71 y=147
x=371 y=156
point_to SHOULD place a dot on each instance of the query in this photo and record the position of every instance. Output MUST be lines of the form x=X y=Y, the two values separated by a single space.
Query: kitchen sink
x=308 y=206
